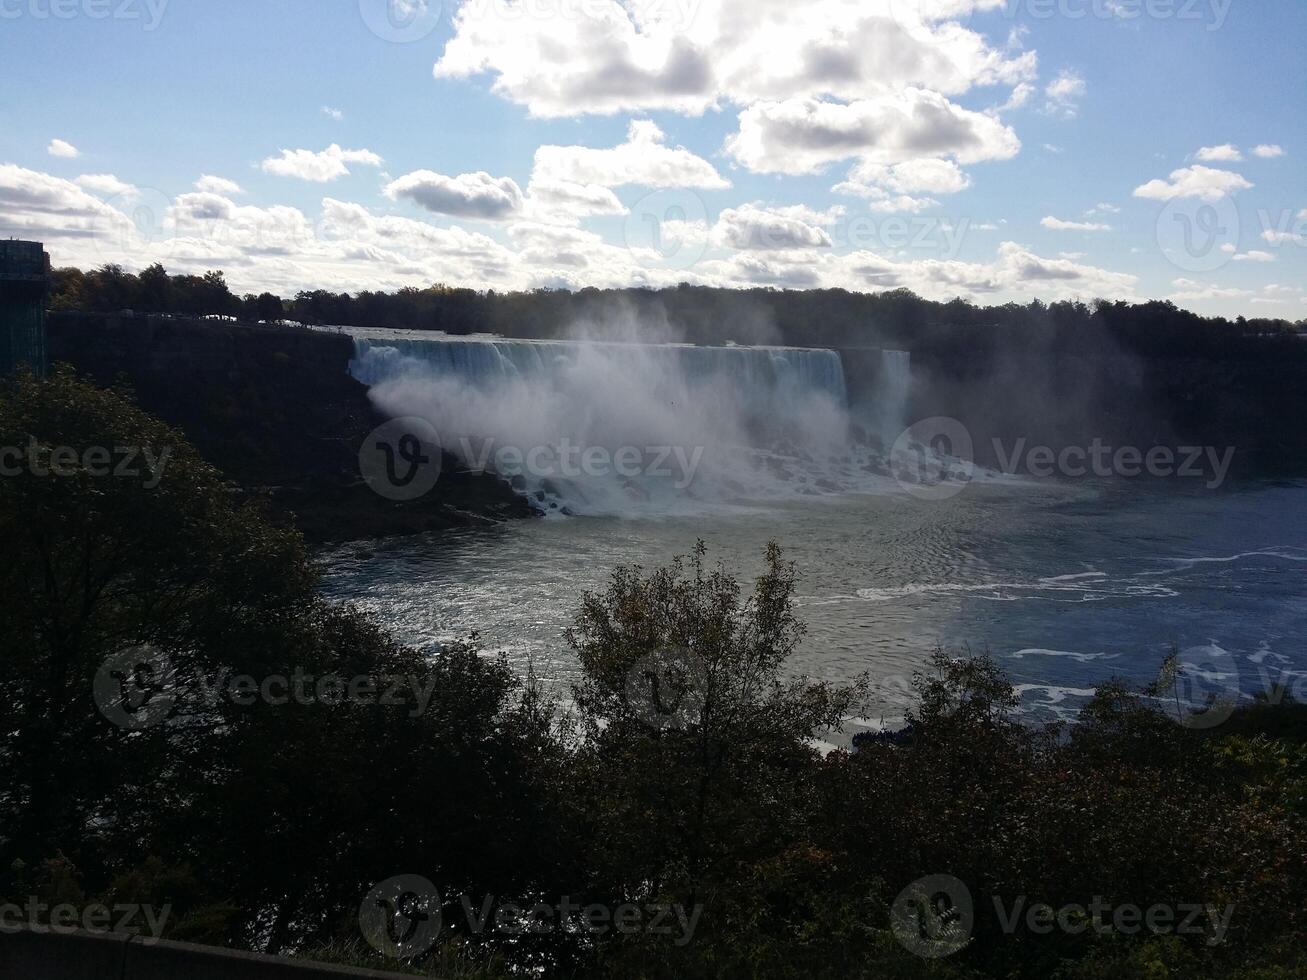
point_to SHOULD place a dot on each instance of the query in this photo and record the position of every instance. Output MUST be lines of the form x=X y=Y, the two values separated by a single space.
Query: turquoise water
x=1066 y=584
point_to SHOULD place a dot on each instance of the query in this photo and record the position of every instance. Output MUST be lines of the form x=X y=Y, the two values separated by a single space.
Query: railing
x=28 y=954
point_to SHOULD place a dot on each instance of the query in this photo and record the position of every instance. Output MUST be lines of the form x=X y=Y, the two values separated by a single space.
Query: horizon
x=994 y=151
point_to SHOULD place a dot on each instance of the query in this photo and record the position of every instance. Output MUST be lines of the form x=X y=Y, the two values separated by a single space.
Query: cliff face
x=276 y=410
x=1251 y=404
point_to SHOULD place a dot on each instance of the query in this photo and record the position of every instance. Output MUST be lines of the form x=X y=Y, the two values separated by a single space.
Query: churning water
x=601 y=428
x=1067 y=584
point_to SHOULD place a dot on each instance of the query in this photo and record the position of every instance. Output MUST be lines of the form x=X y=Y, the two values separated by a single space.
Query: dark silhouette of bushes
x=265 y=824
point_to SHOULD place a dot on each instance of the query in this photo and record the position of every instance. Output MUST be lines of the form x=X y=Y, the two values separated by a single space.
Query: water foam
x=668 y=427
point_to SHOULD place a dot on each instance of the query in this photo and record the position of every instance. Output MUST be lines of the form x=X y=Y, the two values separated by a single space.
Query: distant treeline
x=703 y=314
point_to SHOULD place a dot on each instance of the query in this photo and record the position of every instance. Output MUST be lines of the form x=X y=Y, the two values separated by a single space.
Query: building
x=24 y=284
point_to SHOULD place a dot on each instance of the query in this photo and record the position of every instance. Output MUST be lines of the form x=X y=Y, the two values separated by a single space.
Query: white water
x=591 y=427
x=891 y=402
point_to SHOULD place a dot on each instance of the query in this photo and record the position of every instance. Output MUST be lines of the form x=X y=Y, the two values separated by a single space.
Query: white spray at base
x=593 y=427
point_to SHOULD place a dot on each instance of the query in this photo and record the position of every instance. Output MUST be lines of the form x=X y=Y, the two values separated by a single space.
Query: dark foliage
x=264 y=824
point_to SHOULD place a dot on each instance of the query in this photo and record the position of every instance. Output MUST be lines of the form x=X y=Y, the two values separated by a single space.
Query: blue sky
x=994 y=149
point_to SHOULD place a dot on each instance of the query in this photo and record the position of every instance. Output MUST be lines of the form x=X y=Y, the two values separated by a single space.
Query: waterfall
x=762 y=374
x=602 y=427
x=893 y=391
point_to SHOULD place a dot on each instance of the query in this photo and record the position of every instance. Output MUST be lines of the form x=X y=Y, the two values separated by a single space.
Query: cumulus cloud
x=39 y=206
x=891 y=188
x=801 y=136
x=1197 y=181
x=554 y=200
x=1254 y=256
x=1015 y=273
x=1277 y=237
x=1057 y=224
x=218 y=185
x=332 y=113
x=204 y=221
x=474 y=195
x=348 y=247
x=1021 y=95
x=107 y=185
x=1268 y=151
x=1225 y=153
x=63 y=149
x=643 y=159
x=321 y=167
x=1189 y=291
x=751 y=227
x=1063 y=94
x=610 y=56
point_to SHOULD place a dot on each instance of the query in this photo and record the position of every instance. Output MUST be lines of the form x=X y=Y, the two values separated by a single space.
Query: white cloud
x=553 y=200
x=1268 y=151
x=891 y=188
x=107 y=185
x=1196 y=181
x=1189 y=291
x=1057 y=224
x=801 y=136
x=320 y=167
x=333 y=113
x=753 y=228
x=1063 y=94
x=218 y=185
x=1020 y=97
x=1102 y=208
x=1276 y=237
x=1225 y=153
x=63 y=149
x=1255 y=256
x=475 y=195
x=607 y=56
x=347 y=248
x=216 y=221
x=643 y=159
x=39 y=206
x=801 y=212
x=924 y=176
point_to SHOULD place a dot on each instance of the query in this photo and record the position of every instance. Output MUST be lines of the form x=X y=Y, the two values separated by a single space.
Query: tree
x=140 y=599
x=696 y=748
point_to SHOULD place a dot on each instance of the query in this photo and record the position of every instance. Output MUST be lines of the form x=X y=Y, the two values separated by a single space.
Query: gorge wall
x=276 y=410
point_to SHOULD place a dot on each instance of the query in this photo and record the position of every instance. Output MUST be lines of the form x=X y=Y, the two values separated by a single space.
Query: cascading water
x=592 y=427
x=894 y=387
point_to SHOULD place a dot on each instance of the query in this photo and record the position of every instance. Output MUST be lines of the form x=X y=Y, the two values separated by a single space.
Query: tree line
x=710 y=315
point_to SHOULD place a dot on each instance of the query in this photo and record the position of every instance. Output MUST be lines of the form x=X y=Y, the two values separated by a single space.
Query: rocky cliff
x=275 y=409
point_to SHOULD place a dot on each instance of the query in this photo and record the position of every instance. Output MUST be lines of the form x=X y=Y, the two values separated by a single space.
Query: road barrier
x=28 y=954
